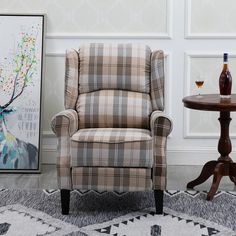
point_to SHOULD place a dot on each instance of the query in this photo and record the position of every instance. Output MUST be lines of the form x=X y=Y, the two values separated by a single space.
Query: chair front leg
x=158 y=195
x=65 y=201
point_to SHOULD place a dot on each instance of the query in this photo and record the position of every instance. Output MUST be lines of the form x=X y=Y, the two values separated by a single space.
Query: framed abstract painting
x=21 y=72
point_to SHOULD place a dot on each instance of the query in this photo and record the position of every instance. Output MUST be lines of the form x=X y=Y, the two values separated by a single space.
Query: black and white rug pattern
x=17 y=220
x=147 y=222
x=38 y=212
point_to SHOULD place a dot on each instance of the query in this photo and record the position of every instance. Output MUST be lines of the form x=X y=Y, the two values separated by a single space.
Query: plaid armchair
x=112 y=135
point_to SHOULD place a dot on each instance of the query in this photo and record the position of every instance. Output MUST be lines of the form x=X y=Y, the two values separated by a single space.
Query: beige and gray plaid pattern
x=71 y=79
x=114 y=147
x=114 y=109
x=122 y=68
x=65 y=121
x=161 y=127
x=109 y=66
x=111 y=179
x=64 y=125
x=157 y=80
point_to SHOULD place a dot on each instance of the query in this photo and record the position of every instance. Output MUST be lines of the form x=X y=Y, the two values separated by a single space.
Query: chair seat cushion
x=112 y=147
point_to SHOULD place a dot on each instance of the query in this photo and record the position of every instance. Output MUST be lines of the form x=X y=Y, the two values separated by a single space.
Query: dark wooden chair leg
x=158 y=195
x=65 y=201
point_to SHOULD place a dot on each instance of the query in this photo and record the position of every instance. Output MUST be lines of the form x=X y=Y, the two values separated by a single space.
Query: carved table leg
x=224 y=148
x=218 y=174
x=207 y=171
x=232 y=172
x=224 y=145
x=233 y=179
x=224 y=166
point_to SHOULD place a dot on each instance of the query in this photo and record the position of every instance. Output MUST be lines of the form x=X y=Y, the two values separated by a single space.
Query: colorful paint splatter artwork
x=20 y=90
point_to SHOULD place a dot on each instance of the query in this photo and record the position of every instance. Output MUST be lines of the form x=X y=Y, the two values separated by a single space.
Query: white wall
x=193 y=33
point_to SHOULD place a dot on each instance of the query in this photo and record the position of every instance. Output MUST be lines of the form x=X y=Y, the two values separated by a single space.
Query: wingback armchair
x=112 y=134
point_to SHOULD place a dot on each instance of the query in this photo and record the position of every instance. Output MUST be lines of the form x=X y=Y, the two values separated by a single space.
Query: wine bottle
x=225 y=80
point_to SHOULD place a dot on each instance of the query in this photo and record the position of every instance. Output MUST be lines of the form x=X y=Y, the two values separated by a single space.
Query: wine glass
x=199 y=83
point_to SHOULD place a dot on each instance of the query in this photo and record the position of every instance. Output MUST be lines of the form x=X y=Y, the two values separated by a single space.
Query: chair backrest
x=112 y=86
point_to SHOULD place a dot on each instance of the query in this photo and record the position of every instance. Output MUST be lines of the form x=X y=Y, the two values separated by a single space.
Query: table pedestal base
x=218 y=169
x=224 y=166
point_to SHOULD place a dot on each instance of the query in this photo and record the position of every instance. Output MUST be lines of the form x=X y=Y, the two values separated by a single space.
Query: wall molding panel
x=67 y=36
x=202 y=35
x=192 y=155
x=167 y=34
x=189 y=55
x=55 y=54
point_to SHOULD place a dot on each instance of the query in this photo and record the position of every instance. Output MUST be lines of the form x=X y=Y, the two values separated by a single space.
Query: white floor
x=177 y=178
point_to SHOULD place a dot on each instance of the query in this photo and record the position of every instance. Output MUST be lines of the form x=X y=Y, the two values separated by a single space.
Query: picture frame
x=21 y=78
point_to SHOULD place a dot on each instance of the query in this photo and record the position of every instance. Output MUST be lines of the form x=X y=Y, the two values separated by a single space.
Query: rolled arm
x=64 y=125
x=161 y=127
x=161 y=124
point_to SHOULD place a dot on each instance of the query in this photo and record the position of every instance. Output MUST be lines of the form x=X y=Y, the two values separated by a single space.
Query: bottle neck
x=225 y=60
x=225 y=66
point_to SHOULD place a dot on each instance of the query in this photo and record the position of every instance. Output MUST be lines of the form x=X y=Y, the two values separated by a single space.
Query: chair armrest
x=161 y=127
x=160 y=124
x=65 y=123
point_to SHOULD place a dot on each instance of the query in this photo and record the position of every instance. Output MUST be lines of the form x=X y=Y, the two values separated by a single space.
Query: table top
x=210 y=102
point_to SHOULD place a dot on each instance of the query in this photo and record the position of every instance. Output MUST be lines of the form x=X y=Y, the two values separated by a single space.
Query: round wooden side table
x=224 y=166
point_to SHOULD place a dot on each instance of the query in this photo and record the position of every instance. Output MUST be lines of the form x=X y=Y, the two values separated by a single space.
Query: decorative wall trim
x=190 y=35
x=48 y=133
x=169 y=19
x=168 y=86
x=55 y=54
x=49 y=154
x=192 y=155
x=188 y=56
x=120 y=35
x=65 y=36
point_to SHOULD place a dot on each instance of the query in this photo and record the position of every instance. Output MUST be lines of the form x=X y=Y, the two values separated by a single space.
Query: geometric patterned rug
x=17 y=220
x=147 y=222
x=186 y=213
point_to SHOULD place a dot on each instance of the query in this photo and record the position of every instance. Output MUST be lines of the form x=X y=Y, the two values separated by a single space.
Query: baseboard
x=49 y=154
x=191 y=156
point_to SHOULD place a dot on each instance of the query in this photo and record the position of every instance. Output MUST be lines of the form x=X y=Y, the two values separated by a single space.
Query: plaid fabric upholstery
x=109 y=66
x=114 y=108
x=117 y=87
x=114 y=147
x=71 y=79
x=111 y=179
x=157 y=80
x=64 y=124
x=161 y=127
